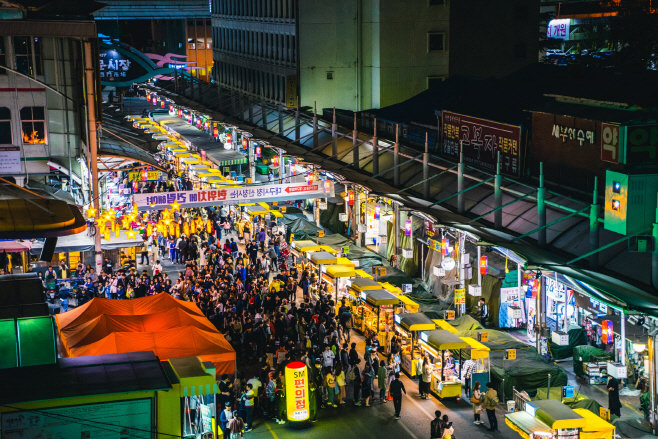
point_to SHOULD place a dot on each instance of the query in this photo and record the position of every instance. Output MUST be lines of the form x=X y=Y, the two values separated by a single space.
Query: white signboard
x=10 y=160
x=448 y=263
x=234 y=195
x=406 y=288
x=510 y=295
x=342 y=217
x=439 y=271
x=475 y=290
x=558 y=29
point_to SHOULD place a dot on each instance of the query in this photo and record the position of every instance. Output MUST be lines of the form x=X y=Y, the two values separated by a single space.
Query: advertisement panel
x=234 y=195
x=144 y=176
x=558 y=29
x=10 y=160
x=481 y=140
x=108 y=420
x=297 y=404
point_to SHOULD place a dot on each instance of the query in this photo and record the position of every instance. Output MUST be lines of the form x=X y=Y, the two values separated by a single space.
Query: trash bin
x=511 y=406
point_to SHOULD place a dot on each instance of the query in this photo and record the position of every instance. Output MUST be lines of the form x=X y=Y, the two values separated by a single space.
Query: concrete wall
x=376 y=51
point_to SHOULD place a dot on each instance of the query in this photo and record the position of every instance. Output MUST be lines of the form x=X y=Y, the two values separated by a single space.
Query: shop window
x=5 y=126
x=27 y=51
x=435 y=41
x=33 y=125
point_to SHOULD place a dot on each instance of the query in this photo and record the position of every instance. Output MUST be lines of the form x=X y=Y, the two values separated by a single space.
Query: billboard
x=481 y=139
x=109 y=420
x=234 y=195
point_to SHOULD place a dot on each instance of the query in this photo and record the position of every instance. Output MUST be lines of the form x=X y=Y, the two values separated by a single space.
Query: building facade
x=44 y=123
x=364 y=54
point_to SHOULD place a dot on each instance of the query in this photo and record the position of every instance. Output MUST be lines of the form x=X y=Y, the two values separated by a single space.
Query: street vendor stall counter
x=354 y=288
x=407 y=329
x=479 y=354
x=336 y=277
x=547 y=419
x=375 y=313
x=445 y=382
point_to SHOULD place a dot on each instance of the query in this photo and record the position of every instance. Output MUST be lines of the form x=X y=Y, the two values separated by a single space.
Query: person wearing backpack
x=489 y=404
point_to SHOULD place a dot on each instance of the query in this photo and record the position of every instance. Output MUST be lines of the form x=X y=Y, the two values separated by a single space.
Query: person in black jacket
x=396 y=388
x=436 y=426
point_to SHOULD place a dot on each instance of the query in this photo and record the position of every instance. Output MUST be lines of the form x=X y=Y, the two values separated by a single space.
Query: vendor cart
x=546 y=419
x=376 y=312
x=407 y=328
x=445 y=382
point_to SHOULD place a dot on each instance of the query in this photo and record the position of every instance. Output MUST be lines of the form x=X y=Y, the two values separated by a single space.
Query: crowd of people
x=272 y=310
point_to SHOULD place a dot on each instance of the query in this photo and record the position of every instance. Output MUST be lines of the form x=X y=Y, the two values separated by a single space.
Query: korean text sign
x=481 y=141
x=297 y=403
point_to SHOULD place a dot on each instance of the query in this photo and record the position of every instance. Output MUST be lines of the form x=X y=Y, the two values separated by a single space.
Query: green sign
x=346 y=249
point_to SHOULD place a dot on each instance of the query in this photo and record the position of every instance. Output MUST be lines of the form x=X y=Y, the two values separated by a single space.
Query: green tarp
x=577 y=337
x=27 y=342
x=577 y=402
x=586 y=354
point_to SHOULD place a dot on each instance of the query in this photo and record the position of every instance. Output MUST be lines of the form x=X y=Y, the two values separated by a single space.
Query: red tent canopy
x=169 y=327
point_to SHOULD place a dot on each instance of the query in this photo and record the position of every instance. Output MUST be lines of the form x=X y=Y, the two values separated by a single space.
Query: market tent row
x=82 y=242
x=169 y=327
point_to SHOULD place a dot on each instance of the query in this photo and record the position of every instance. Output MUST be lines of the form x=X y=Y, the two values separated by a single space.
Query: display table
x=445 y=389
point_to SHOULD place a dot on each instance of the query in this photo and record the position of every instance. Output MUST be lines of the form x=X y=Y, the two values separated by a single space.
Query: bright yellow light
x=130 y=234
x=297 y=403
x=91 y=212
x=175 y=206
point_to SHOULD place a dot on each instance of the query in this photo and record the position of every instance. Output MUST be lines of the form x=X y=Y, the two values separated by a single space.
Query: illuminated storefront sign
x=558 y=29
x=483 y=265
x=297 y=404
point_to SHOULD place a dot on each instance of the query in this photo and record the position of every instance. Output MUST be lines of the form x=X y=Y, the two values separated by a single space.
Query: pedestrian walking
x=477 y=399
x=396 y=388
x=382 y=376
x=235 y=426
x=613 y=397
x=490 y=402
x=436 y=426
x=425 y=378
x=448 y=430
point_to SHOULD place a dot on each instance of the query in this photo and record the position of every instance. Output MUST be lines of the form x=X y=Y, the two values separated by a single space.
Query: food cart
x=445 y=382
x=335 y=276
x=300 y=248
x=479 y=353
x=375 y=313
x=407 y=328
x=547 y=419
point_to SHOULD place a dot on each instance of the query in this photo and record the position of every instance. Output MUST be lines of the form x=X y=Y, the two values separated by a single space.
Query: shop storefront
x=407 y=328
x=446 y=372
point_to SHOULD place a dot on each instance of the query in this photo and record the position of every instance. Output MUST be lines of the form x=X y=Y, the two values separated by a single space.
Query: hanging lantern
x=117 y=232
x=607 y=334
x=244 y=143
x=327 y=186
x=175 y=205
x=125 y=222
x=155 y=101
x=186 y=229
x=162 y=104
x=275 y=161
x=209 y=226
x=192 y=226
x=91 y=213
x=407 y=228
x=444 y=246
x=483 y=265
x=130 y=234
x=350 y=198
x=177 y=231
x=228 y=138
x=148 y=96
x=149 y=229
x=377 y=211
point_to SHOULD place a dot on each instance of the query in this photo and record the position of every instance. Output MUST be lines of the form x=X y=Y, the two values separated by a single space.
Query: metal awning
x=114 y=156
x=441 y=340
x=380 y=297
x=415 y=321
x=365 y=284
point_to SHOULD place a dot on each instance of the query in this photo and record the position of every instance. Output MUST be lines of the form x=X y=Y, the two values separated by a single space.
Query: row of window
x=256 y=8
x=268 y=85
x=275 y=47
x=33 y=125
x=26 y=57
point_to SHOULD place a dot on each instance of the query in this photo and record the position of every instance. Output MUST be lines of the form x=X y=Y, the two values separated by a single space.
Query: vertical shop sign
x=407 y=228
x=483 y=265
x=610 y=142
x=297 y=404
x=460 y=296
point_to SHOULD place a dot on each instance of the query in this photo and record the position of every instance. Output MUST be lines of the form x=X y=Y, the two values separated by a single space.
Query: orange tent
x=169 y=327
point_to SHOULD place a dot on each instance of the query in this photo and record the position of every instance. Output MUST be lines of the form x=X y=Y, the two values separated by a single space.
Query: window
x=437 y=2
x=330 y=75
x=28 y=55
x=33 y=125
x=435 y=41
x=3 y=59
x=5 y=126
x=434 y=81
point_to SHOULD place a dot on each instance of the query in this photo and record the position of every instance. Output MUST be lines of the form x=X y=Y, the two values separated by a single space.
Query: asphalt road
x=377 y=422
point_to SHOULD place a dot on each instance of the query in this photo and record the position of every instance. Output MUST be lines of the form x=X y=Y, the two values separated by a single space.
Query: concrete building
x=44 y=122
x=368 y=53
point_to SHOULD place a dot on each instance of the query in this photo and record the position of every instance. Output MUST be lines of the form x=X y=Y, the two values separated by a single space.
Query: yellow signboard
x=297 y=403
x=483 y=336
x=291 y=91
x=511 y=354
x=320 y=233
x=139 y=175
x=604 y=413
x=449 y=315
x=460 y=296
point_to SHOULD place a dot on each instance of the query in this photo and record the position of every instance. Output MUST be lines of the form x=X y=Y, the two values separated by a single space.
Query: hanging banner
x=233 y=195
x=460 y=296
x=144 y=176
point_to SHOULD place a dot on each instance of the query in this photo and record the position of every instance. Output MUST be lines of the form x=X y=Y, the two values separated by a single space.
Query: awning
x=27 y=342
x=336 y=271
x=525 y=424
x=365 y=284
x=380 y=297
x=15 y=246
x=193 y=376
x=596 y=428
x=306 y=246
x=409 y=303
x=441 y=340
x=415 y=321
x=327 y=258
x=391 y=288
x=442 y=324
x=361 y=274
x=82 y=242
x=115 y=155
x=38 y=218
x=557 y=415
x=478 y=350
x=226 y=157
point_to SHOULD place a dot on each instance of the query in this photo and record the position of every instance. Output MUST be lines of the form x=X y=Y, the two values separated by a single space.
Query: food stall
x=336 y=276
x=479 y=353
x=299 y=248
x=547 y=419
x=375 y=313
x=407 y=328
x=445 y=382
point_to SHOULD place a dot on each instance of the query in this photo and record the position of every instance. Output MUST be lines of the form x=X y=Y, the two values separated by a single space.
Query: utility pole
x=460 y=180
x=498 y=196
x=375 y=150
x=396 y=157
x=541 y=208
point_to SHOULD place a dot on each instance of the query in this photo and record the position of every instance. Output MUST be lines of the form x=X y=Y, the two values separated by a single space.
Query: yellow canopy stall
x=445 y=380
x=442 y=324
x=596 y=428
x=409 y=304
x=407 y=326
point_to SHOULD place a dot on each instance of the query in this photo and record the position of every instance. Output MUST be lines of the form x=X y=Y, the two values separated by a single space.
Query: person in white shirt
x=157 y=267
x=328 y=357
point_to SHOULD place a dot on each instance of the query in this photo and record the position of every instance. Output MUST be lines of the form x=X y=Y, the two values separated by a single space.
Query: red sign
x=483 y=265
x=607 y=334
x=244 y=143
x=293 y=189
x=610 y=142
x=350 y=198
x=481 y=140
